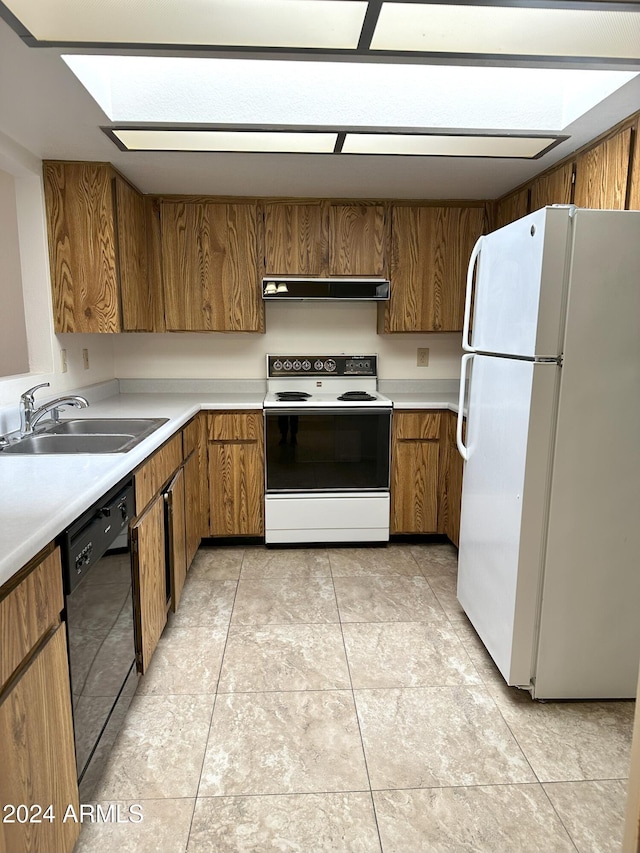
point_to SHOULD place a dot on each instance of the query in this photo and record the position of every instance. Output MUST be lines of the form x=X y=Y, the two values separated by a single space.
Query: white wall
x=14 y=355
x=291 y=328
x=44 y=346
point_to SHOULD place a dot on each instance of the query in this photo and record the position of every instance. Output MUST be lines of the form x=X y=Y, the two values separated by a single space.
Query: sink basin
x=90 y=435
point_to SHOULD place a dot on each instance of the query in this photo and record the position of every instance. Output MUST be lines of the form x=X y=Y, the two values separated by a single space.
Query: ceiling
x=45 y=109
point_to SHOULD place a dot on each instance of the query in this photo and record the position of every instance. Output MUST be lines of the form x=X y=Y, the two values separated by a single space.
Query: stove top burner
x=292 y=395
x=356 y=395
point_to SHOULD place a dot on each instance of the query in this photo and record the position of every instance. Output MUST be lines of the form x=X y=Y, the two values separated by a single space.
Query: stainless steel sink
x=88 y=435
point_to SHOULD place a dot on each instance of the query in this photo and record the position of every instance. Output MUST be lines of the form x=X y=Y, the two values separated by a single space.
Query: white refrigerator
x=549 y=557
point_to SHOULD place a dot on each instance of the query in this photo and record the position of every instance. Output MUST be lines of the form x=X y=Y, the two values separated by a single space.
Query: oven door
x=327 y=450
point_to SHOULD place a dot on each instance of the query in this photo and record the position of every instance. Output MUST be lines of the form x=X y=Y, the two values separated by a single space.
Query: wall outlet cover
x=423 y=357
x=85 y=358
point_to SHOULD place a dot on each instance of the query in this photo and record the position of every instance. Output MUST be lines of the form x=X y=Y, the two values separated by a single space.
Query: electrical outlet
x=63 y=360
x=423 y=357
x=85 y=358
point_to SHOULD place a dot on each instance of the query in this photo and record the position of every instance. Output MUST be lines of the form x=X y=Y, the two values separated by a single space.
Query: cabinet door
x=192 y=505
x=174 y=497
x=431 y=247
x=634 y=188
x=296 y=239
x=82 y=247
x=602 y=172
x=149 y=580
x=236 y=474
x=210 y=271
x=357 y=239
x=131 y=228
x=415 y=472
x=38 y=757
x=552 y=188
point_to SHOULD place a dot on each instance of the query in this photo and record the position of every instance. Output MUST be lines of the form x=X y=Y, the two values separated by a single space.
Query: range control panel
x=321 y=365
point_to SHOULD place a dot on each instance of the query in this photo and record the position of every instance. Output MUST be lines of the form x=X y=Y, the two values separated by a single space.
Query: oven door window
x=324 y=451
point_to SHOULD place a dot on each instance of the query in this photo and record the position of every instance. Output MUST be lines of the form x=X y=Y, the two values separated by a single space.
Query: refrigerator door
x=519 y=287
x=590 y=620
x=504 y=498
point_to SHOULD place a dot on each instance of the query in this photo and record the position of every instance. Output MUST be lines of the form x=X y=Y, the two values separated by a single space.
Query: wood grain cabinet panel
x=176 y=521
x=296 y=238
x=154 y=473
x=210 y=267
x=236 y=474
x=552 y=188
x=38 y=755
x=357 y=239
x=149 y=582
x=634 y=183
x=511 y=207
x=451 y=470
x=82 y=247
x=135 y=288
x=98 y=252
x=430 y=249
x=28 y=611
x=193 y=505
x=602 y=173
x=415 y=463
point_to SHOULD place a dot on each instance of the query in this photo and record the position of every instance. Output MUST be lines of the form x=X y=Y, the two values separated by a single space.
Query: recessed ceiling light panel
x=225 y=140
x=507 y=30
x=254 y=23
x=442 y=145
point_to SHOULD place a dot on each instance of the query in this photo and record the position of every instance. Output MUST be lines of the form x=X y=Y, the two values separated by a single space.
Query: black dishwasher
x=96 y=566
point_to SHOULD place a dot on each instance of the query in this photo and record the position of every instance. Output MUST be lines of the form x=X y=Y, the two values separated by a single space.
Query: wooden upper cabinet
x=430 y=250
x=96 y=224
x=357 y=239
x=131 y=230
x=634 y=189
x=510 y=208
x=82 y=247
x=553 y=187
x=210 y=267
x=296 y=238
x=602 y=173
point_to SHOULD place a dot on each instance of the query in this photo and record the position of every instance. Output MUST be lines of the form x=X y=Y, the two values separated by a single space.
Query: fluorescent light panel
x=226 y=140
x=507 y=30
x=323 y=24
x=445 y=146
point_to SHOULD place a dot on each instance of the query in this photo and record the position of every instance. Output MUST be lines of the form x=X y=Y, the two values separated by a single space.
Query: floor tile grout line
x=557 y=813
x=213 y=708
x=355 y=708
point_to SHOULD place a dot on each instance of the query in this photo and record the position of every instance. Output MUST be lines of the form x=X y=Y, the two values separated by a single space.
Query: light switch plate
x=63 y=360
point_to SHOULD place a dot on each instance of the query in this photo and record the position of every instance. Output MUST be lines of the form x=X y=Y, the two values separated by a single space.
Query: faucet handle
x=28 y=396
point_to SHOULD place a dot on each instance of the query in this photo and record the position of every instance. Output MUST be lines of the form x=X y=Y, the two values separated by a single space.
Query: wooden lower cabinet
x=174 y=497
x=38 y=757
x=193 y=505
x=426 y=474
x=415 y=461
x=235 y=453
x=149 y=580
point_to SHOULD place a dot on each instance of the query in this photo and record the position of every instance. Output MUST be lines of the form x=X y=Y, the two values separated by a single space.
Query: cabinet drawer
x=190 y=437
x=156 y=471
x=416 y=426
x=235 y=426
x=28 y=611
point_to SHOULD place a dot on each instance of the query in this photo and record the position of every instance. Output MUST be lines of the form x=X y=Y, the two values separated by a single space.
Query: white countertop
x=42 y=495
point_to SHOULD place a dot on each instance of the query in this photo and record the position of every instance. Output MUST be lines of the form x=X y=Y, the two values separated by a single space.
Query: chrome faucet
x=29 y=416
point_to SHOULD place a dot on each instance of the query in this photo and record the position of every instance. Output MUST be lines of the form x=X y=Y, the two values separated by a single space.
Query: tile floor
x=315 y=700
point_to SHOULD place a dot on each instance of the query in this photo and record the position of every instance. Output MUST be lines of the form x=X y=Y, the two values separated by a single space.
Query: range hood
x=335 y=289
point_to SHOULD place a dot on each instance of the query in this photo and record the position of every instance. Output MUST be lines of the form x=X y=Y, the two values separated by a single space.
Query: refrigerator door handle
x=464 y=451
x=473 y=260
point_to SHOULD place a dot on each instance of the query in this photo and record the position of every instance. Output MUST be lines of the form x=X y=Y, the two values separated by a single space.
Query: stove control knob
x=287 y=365
x=297 y=365
x=306 y=364
x=318 y=365
x=277 y=365
x=330 y=365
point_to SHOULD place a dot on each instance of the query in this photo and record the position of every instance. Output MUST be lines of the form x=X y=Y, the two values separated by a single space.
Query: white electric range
x=327 y=450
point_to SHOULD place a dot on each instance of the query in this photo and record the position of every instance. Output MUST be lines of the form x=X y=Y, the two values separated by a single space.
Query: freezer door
x=520 y=286
x=504 y=499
